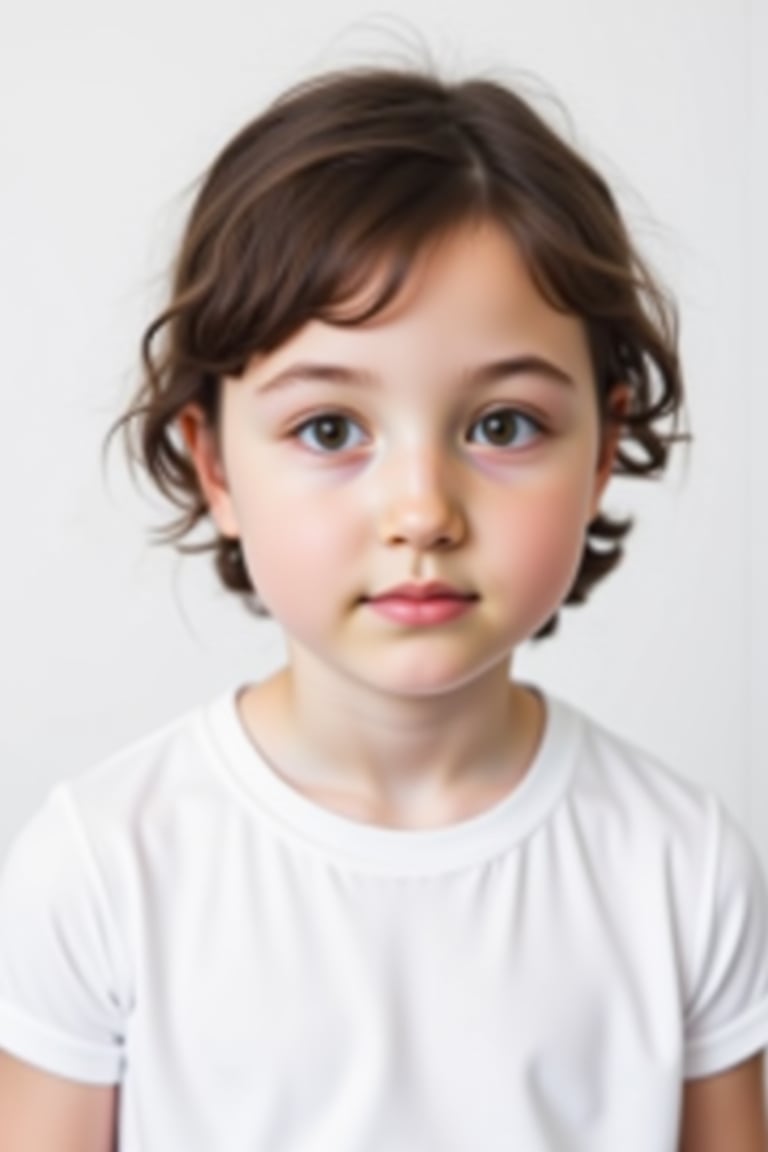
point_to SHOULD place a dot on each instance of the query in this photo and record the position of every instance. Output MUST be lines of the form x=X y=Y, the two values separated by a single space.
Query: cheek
x=544 y=543
x=292 y=547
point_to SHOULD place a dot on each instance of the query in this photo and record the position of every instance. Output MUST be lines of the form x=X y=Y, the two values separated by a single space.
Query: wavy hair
x=356 y=170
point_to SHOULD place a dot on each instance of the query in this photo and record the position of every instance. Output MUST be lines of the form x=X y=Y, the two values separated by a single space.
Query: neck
x=404 y=760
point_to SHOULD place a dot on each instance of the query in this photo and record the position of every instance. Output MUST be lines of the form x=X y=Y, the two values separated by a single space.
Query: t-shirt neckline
x=396 y=851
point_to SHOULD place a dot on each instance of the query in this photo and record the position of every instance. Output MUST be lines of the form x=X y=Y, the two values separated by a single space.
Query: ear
x=618 y=405
x=200 y=441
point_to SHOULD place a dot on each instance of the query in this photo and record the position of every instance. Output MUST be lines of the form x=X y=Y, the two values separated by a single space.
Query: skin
x=410 y=726
x=389 y=724
x=415 y=727
x=41 y=1112
x=726 y=1112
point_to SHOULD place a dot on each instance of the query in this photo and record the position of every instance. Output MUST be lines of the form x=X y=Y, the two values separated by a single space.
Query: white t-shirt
x=263 y=975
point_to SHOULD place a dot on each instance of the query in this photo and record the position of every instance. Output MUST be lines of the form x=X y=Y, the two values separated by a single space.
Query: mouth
x=417 y=605
x=420 y=593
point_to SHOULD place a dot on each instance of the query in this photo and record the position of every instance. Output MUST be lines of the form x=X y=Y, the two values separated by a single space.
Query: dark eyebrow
x=486 y=374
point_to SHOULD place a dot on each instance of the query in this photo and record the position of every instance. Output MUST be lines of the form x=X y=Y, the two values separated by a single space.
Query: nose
x=421 y=506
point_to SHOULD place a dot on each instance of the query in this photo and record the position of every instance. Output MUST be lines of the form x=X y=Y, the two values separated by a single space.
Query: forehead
x=467 y=293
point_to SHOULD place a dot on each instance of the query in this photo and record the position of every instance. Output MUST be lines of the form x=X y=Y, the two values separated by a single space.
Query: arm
x=726 y=1112
x=40 y=1112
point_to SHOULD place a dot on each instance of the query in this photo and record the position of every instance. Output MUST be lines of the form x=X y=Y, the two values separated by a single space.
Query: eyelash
x=339 y=417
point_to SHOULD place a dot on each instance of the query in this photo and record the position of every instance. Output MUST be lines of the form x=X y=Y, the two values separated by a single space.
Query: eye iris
x=331 y=431
x=500 y=427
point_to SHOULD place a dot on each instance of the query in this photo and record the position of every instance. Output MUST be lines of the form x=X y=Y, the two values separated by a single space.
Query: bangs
x=341 y=241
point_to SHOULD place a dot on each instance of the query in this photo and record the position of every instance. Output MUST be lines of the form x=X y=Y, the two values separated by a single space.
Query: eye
x=507 y=428
x=327 y=433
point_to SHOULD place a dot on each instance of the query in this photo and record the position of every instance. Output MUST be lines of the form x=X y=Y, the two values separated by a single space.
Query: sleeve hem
x=55 y=1052
x=728 y=1046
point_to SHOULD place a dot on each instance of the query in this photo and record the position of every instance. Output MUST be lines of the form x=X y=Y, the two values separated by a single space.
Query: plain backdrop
x=108 y=114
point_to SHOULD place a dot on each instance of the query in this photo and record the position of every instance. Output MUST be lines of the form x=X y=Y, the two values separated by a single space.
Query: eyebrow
x=486 y=374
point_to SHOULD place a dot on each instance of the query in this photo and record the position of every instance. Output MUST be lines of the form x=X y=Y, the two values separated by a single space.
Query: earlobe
x=200 y=442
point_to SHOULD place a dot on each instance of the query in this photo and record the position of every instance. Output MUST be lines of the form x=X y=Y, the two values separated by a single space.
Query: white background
x=108 y=113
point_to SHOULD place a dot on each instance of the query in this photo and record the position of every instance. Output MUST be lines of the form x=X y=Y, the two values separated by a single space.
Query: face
x=454 y=438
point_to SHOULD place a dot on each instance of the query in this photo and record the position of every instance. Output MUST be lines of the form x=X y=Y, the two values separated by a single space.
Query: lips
x=422 y=605
x=419 y=592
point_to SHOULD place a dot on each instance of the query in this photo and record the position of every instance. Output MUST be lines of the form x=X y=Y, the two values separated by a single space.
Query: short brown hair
x=360 y=166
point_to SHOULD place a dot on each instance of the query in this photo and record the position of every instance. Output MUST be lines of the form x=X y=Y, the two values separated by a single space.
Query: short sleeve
x=726 y=1018
x=63 y=990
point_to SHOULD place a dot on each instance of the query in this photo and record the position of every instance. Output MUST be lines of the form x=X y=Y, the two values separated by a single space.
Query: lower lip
x=434 y=611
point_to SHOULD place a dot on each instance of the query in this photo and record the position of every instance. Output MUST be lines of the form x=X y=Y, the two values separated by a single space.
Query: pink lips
x=432 y=603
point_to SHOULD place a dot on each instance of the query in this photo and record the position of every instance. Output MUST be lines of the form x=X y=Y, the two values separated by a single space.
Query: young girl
x=389 y=899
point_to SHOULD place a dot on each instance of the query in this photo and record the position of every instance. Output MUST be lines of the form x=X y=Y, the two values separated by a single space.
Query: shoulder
x=658 y=800
x=662 y=842
x=100 y=823
x=648 y=822
x=147 y=777
x=97 y=860
x=618 y=782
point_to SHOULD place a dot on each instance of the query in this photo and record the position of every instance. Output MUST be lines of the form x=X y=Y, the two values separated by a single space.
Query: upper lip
x=429 y=591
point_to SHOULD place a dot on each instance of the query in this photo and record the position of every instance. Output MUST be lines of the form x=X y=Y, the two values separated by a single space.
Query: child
x=388 y=899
